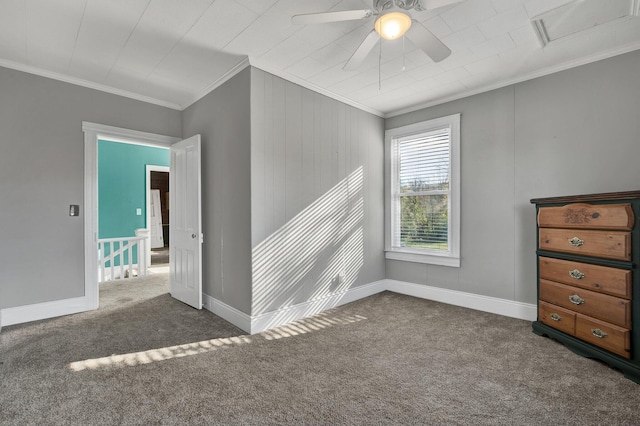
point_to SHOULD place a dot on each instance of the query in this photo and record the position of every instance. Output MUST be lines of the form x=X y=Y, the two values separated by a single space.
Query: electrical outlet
x=335 y=282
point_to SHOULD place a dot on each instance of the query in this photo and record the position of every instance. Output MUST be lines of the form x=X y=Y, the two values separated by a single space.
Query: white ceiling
x=172 y=52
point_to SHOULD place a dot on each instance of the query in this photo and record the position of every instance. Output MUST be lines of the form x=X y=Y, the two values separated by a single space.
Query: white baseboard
x=39 y=311
x=277 y=318
x=508 y=308
x=226 y=312
x=259 y=323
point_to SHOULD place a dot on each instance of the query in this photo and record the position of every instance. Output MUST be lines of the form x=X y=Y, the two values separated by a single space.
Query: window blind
x=422 y=190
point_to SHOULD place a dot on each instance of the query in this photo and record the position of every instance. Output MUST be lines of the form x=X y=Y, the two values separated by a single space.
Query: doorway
x=157 y=205
x=93 y=133
x=185 y=210
x=130 y=175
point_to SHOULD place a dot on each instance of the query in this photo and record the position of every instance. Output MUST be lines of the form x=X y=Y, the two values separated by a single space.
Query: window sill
x=424 y=258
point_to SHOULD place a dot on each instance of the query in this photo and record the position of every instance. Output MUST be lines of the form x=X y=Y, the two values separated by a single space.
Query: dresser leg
x=633 y=376
x=537 y=329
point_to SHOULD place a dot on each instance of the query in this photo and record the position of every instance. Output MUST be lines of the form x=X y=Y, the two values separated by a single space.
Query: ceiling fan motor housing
x=384 y=5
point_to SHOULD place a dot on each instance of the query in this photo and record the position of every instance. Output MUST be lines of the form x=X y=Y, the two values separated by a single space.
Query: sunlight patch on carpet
x=308 y=325
x=303 y=326
x=155 y=355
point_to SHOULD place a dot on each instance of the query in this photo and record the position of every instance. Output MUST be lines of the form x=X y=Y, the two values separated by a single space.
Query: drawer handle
x=576 y=274
x=576 y=300
x=598 y=333
x=555 y=317
x=576 y=242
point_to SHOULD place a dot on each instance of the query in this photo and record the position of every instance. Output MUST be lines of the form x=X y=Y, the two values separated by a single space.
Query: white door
x=185 y=219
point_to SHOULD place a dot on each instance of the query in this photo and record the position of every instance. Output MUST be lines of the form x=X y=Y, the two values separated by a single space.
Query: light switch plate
x=74 y=210
x=139 y=212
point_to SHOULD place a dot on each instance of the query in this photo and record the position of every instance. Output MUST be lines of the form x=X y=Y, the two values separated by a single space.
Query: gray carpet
x=144 y=358
x=160 y=256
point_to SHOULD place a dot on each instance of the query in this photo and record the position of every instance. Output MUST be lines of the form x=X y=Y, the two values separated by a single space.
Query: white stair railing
x=112 y=251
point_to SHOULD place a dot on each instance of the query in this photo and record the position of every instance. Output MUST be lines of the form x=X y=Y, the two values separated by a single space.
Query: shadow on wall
x=317 y=253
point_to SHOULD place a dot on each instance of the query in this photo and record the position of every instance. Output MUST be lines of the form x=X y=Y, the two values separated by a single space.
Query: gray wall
x=223 y=119
x=573 y=132
x=293 y=181
x=42 y=172
x=316 y=194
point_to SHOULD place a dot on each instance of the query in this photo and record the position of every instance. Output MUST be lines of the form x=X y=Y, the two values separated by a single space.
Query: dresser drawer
x=557 y=317
x=607 y=336
x=607 y=308
x=603 y=279
x=587 y=216
x=608 y=244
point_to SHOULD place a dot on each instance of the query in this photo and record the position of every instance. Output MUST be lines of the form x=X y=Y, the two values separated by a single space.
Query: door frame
x=93 y=132
x=151 y=168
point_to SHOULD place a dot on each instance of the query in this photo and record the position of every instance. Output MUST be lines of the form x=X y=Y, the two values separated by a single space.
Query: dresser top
x=587 y=197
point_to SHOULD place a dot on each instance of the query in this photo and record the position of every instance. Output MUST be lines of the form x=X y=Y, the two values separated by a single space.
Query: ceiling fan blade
x=434 y=4
x=321 y=18
x=362 y=51
x=429 y=43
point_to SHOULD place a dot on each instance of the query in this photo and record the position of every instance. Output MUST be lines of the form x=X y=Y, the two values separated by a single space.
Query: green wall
x=122 y=184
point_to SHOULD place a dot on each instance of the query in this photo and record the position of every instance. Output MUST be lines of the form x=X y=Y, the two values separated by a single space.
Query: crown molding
x=540 y=73
x=217 y=83
x=245 y=62
x=85 y=83
x=307 y=85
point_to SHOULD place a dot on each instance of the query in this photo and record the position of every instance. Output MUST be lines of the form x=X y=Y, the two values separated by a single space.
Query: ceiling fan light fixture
x=392 y=25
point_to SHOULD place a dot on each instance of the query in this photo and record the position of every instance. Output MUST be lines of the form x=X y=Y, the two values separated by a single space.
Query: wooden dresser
x=589 y=277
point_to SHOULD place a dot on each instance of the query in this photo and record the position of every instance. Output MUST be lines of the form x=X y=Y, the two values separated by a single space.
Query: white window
x=422 y=190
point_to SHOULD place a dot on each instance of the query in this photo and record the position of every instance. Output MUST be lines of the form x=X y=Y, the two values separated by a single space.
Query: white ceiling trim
x=219 y=82
x=246 y=62
x=541 y=73
x=84 y=83
x=307 y=85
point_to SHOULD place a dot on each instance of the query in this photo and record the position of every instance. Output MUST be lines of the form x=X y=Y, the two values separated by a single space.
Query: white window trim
x=452 y=257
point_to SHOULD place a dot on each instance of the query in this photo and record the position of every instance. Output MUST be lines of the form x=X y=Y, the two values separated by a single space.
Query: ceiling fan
x=392 y=22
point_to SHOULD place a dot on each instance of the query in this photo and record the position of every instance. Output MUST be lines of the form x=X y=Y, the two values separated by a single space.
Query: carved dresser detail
x=589 y=278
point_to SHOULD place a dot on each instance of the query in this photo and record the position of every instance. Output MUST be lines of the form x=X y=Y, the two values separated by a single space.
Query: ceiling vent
x=579 y=16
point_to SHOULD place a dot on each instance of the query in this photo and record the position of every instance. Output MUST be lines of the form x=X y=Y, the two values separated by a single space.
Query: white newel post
x=145 y=248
